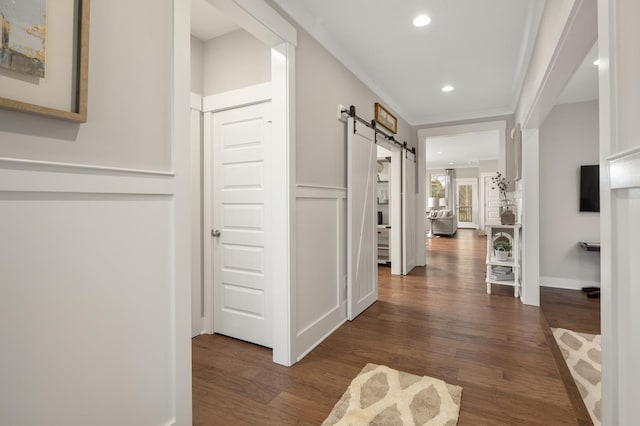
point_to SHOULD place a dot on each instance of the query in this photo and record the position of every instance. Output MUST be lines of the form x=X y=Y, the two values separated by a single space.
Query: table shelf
x=510 y=233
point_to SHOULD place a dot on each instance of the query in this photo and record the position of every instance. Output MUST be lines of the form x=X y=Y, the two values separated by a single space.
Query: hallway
x=437 y=321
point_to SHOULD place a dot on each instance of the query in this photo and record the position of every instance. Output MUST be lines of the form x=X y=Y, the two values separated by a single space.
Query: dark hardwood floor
x=437 y=321
x=570 y=309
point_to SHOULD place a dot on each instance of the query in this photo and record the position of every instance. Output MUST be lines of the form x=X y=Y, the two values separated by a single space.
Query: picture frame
x=385 y=118
x=70 y=69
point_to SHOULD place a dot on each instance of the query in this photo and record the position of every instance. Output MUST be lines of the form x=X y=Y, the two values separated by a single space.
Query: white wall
x=235 y=60
x=94 y=294
x=568 y=139
x=467 y=173
x=488 y=166
x=126 y=90
x=461 y=173
x=197 y=66
x=321 y=158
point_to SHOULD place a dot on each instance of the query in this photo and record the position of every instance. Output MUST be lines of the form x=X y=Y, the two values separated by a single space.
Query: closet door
x=241 y=233
x=362 y=268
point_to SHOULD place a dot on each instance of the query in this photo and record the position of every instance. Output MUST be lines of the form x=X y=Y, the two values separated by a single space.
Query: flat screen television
x=590 y=188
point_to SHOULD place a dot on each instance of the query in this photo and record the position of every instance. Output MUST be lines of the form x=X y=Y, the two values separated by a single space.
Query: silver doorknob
x=215 y=233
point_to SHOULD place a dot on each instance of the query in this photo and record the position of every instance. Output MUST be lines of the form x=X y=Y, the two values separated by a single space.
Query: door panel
x=242 y=288
x=362 y=267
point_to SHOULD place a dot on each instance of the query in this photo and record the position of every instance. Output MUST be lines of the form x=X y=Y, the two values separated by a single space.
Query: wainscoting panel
x=87 y=296
x=321 y=265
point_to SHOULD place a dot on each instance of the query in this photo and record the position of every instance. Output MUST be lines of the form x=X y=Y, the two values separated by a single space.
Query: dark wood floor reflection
x=437 y=321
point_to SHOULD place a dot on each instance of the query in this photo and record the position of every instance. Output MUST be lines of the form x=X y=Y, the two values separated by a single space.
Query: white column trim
x=283 y=58
x=181 y=162
x=623 y=169
x=530 y=292
x=236 y=98
x=196 y=102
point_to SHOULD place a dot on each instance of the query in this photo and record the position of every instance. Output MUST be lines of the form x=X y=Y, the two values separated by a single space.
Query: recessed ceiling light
x=439 y=152
x=451 y=164
x=596 y=62
x=447 y=88
x=421 y=21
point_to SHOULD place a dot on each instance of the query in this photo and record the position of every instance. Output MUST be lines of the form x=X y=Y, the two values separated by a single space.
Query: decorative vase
x=507 y=211
x=501 y=254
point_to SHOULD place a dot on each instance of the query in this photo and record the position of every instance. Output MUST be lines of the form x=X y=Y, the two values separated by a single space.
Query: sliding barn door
x=362 y=272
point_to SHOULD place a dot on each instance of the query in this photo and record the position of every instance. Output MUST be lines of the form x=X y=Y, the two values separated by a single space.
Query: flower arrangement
x=507 y=210
x=500 y=182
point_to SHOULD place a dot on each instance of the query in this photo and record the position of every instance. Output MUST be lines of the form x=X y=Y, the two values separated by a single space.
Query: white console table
x=512 y=234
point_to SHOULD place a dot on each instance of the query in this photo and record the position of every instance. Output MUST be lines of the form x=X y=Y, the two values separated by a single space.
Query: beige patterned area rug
x=380 y=395
x=581 y=351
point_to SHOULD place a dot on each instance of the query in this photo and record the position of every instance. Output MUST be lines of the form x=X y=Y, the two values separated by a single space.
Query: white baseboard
x=566 y=283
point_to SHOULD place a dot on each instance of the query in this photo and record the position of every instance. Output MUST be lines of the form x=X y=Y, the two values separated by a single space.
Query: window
x=438 y=186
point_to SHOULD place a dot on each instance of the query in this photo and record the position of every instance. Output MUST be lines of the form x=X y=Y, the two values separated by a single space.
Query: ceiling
x=207 y=23
x=461 y=150
x=482 y=48
x=583 y=86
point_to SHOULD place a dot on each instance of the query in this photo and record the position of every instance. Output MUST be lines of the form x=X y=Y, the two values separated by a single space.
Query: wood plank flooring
x=573 y=310
x=437 y=321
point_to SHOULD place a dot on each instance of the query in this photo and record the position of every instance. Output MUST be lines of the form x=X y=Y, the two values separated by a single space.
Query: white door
x=491 y=203
x=240 y=231
x=467 y=202
x=362 y=265
x=408 y=212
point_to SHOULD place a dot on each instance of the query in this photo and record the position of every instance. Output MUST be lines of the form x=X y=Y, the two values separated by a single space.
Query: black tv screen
x=590 y=188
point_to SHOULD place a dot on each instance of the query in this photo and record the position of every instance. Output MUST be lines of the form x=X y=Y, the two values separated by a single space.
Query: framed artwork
x=385 y=118
x=44 y=57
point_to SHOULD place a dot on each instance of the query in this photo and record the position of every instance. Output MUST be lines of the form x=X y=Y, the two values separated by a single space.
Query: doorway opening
x=241 y=74
x=459 y=161
x=388 y=203
x=467 y=202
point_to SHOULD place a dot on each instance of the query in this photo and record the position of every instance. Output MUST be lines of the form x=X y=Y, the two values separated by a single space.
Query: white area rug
x=581 y=352
x=380 y=395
